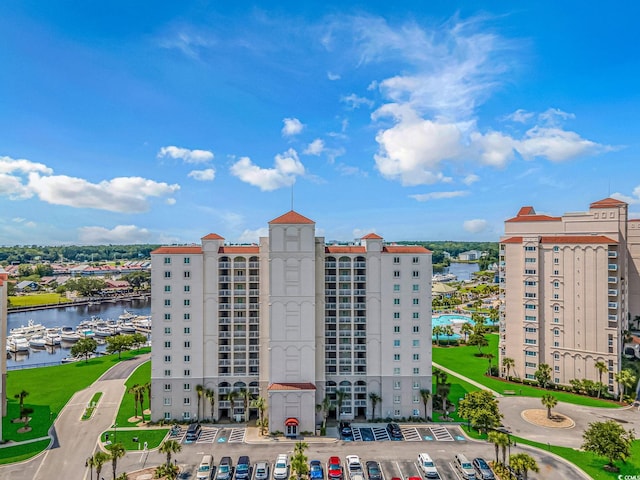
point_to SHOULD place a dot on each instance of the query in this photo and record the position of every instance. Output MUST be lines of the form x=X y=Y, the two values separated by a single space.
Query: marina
x=39 y=337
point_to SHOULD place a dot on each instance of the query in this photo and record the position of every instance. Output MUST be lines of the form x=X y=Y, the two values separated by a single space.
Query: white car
x=354 y=467
x=427 y=466
x=281 y=467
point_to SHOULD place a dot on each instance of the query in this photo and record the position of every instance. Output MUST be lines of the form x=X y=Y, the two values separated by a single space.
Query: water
x=462 y=270
x=69 y=316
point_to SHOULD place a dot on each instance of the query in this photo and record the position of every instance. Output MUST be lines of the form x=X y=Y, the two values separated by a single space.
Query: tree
x=85 y=347
x=147 y=387
x=601 y=368
x=549 y=401
x=210 y=394
x=466 y=329
x=324 y=407
x=425 y=395
x=481 y=409
x=99 y=459
x=200 y=392
x=448 y=331
x=608 y=439
x=245 y=395
x=508 y=364
x=137 y=340
x=499 y=440
x=490 y=356
x=626 y=379
x=261 y=404
x=117 y=451
x=479 y=340
x=522 y=463
x=118 y=344
x=169 y=472
x=543 y=375
x=374 y=398
x=169 y=447
x=21 y=396
x=341 y=396
x=299 y=463
x=135 y=391
x=231 y=398
x=437 y=331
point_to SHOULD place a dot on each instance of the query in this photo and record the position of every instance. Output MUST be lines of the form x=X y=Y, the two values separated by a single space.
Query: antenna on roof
x=292 y=197
x=609 y=192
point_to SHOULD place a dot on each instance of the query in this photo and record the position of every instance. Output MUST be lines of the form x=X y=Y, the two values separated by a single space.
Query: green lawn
x=19 y=453
x=37 y=299
x=462 y=360
x=141 y=376
x=153 y=437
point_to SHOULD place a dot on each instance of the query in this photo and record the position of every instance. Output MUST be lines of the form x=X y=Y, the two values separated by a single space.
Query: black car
x=346 y=433
x=373 y=470
x=482 y=469
x=394 y=431
x=243 y=468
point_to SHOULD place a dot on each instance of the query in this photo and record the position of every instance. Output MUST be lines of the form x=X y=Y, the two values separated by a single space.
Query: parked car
x=394 y=431
x=262 y=471
x=367 y=435
x=205 y=469
x=373 y=470
x=193 y=432
x=225 y=469
x=281 y=467
x=316 y=472
x=346 y=432
x=483 y=470
x=243 y=468
x=427 y=466
x=354 y=467
x=334 y=469
x=465 y=467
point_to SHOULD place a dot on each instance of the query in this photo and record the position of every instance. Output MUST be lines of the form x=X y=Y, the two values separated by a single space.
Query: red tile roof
x=534 y=218
x=512 y=240
x=291 y=386
x=607 y=202
x=292 y=218
x=344 y=249
x=372 y=236
x=578 y=239
x=212 y=236
x=404 y=249
x=240 y=249
x=526 y=211
x=177 y=250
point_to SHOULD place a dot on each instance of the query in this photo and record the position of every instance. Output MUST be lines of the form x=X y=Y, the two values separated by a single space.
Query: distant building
x=569 y=285
x=27 y=285
x=293 y=320
x=469 y=256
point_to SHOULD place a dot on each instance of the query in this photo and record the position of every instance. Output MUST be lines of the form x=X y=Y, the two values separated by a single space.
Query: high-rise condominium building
x=4 y=277
x=294 y=321
x=570 y=287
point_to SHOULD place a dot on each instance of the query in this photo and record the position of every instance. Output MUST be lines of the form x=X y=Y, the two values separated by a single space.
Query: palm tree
x=437 y=331
x=169 y=472
x=374 y=398
x=499 y=440
x=341 y=395
x=466 y=329
x=489 y=356
x=601 y=367
x=626 y=379
x=325 y=407
x=245 y=395
x=169 y=447
x=549 y=401
x=261 y=404
x=425 y=394
x=134 y=390
x=199 y=391
x=116 y=451
x=210 y=394
x=448 y=331
x=147 y=386
x=141 y=390
x=21 y=396
x=522 y=463
x=508 y=363
x=299 y=461
x=99 y=459
x=231 y=398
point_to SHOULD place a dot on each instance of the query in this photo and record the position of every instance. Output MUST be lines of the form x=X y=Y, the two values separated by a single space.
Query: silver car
x=262 y=471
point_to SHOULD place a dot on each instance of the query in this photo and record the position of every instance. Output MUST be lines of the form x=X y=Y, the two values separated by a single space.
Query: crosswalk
x=411 y=434
x=208 y=435
x=236 y=435
x=441 y=434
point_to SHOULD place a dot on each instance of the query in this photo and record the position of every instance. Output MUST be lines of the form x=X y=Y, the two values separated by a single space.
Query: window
x=556 y=249
x=167 y=387
x=167 y=330
x=186 y=401
x=396 y=274
x=396 y=329
x=556 y=284
x=396 y=301
x=187 y=344
x=556 y=320
x=187 y=274
x=396 y=399
x=556 y=368
x=167 y=373
x=530 y=295
x=530 y=283
x=556 y=296
x=186 y=415
x=416 y=274
x=416 y=385
x=187 y=358
x=416 y=399
x=556 y=261
x=396 y=287
x=396 y=260
x=415 y=260
x=416 y=301
x=530 y=249
x=166 y=401
x=187 y=288
x=167 y=274
x=167 y=344
x=186 y=330
x=556 y=272
x=529 y=318
x=167 y=415
x=167 y=288
x=416 y=315
x=530 y=329
x=529 y=353
x=187 y=260
x=167 y=302
x=396 y=413
x=187 y=373
x=529 y=260
x=530 y=341
x=187 y=302
x=396 y=371
x=167 y=358
x=529 y=272
x=167 y=260
x=416 y=357
x=556 y=344
x=556 y=356
x=415 y=343
x=186 y=316
x=396 y=315
x=556 y=308
x=530 y=364
x=416 y=370
x=396 y=357
x=396 y=343
x=167 y=316
x=530 y=306
x=396 y=385
x=187 y=387
x=416 y=287
x=530 y=376
x=416 y=329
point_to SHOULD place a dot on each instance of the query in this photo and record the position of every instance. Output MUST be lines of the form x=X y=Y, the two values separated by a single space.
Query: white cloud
x=203 y=175
x=520 y=116
x=354 y=101
x=253 y=236
x=470 y=179
x=189 y=43
x=476 y=226
x=121 y=234
x=494 y=148
x=189 y=156
x=632 y=199
x=424 y=197
x=10 y=165
x=315 y=148
x=287 y=168
x=292 y=126
x=350 y=170
x=553 y=116
x=556 y=144
x=333 y=76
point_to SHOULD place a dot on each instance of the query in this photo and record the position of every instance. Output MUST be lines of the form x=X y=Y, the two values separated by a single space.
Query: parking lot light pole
x=115 y=433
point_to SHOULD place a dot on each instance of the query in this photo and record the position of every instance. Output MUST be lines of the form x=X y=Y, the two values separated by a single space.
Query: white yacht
x=37 y=341
x=29 y=330
x=18 y=343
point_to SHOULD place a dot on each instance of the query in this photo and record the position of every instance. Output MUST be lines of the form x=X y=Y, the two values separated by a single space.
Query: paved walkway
x=468 y=380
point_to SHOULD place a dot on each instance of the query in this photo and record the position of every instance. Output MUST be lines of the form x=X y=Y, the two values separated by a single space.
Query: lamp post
x=115 y=433
x=89 y=463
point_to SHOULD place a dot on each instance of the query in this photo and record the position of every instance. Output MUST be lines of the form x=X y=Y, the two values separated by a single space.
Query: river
x=463 y=271
x=68 y=316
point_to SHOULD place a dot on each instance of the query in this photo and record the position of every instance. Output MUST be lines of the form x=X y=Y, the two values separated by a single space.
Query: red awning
x=291 y=422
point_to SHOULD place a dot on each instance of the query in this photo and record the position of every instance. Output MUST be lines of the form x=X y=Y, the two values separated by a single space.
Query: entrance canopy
x=291 y=422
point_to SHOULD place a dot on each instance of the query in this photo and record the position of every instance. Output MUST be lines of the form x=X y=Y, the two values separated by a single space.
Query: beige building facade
x=569 y=288
x=294 y=321
x=4 y=278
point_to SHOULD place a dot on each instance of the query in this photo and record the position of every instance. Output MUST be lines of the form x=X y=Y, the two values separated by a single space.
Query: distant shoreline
x=84 y=301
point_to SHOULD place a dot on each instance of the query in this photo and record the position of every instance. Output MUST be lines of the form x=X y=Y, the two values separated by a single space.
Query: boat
x=52 y=337
x=18 y=343
x=127 y=316
x=37 y=341
x=85 y=333
x=103 y=332
x=444 y=277
x=68 y=334
x=126 y=328
x=29 y=330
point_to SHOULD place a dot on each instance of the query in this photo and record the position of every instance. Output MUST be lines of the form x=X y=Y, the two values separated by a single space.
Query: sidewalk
x=253 y=437
x=468 y=380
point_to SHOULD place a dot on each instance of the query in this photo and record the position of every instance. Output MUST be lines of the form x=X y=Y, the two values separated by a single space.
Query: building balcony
x=224 y=363
x=612 y=254
x=344 y=278
x=613 y=305
x=360 y=306
x=344 y=264
x=239 y=306
x=330 y=306
x=612 y=292
x=612 y=318
x=360 y=348
x=612 y=279
x=224 y=321
x=613 y=267
x=360 y=320
x=254 y=306
x=240 y=348
x=330 y=293
x=360 y=264
x=360 y=333
x=345 y=333
x=329 y=278
x=224 y=293
x=330 y=264
x=254 y=334
x=224 y=279
x=330 y=333
x=239 y=320
x=344 y=306
x=254 y=320
x=224 y=348
x=254 y=348
x=330 y=319
x=345 y=319
x=224 y=306
x=360 y=278
x=224 y=335
x=254 y=264
x=239 y=334
x=345 y=292
x=240 y=293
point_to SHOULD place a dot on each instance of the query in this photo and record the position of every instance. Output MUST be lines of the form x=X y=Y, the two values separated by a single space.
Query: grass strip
x=93 y=404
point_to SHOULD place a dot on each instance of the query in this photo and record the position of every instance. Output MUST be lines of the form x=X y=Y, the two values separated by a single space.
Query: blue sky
x=160 y=122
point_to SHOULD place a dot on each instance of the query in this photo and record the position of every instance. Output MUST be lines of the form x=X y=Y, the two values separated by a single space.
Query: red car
x=334 y=469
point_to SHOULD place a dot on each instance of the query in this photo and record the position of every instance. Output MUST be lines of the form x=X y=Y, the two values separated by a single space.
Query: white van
x=465 y=467
x=205 y=470
x=281 y=467
x=427 y=466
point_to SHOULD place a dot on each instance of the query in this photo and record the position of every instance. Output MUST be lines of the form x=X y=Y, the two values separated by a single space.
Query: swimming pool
x=450 y=319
